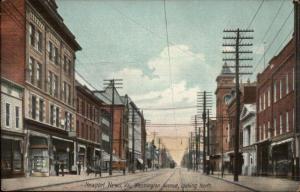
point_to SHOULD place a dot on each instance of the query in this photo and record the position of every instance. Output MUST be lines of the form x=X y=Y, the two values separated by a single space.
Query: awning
x=282 y=142
x=140 y=160
x=106 y=157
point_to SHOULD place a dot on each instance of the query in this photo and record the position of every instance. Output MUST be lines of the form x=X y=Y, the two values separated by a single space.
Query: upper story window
x=53 y=53
x=274 y=126
x=275 y=92
x=17 y=117
x=39 y=74
x=35 y=37
x=30 y=72
x=293 y=78
x=280 y=124
x=68 y=121
x=280 y=89
x=287 y=83
x=67 y=65
x=269 y=127
x=287 y=121
x=269 y=97
x=7 y=115
x=33 y=107
x=41 y=108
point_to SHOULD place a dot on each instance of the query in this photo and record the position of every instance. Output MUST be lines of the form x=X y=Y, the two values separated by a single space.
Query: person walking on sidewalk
x=62 y=167
x=78 y=167
x=56 y=167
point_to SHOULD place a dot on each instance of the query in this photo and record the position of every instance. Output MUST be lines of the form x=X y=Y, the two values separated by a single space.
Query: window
x=39 y=75
x=287 y=83
x=264 y=131
x=269 y=132
x=69 y=94
x=260 y=103
x=7 y=119
x=31 y=64
x=280 y=89
x=35 y=37
x=39 y=40
x=50 y=51
x=275 y=92
x=294 y=127
x=287 y=121
x=71 y=121
x=55 y=56
x=67 y=121
x=65 y=91
x=265 y=97
x=293 y=78
x=55 y=85
x=280 y=124
x=269 y=97
x=50 y=83
x=31 y=34
x=17 y=117
x=275 y=132
x=41 y=108
x=33 y=107
x=52 y=114
x=57 y=117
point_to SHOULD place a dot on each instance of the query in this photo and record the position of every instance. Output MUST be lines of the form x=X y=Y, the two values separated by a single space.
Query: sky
x=127 y=39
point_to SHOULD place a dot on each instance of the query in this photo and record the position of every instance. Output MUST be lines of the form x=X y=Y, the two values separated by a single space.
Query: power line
x=270 y=26
x=254 y=16
x=273 y=40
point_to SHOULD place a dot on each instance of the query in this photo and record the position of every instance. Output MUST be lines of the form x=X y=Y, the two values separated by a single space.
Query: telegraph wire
x=273 y=40
x=254 y=16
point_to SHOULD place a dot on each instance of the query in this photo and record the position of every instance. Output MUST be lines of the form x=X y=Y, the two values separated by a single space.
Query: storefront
x=264 y=167
x=63 y=152
x=38 y=156
x=97 y=162
x=81 y=156
x=282 y=158
x=11 y=157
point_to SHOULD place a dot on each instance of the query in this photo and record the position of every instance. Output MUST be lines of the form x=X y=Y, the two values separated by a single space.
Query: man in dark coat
x=56 y=167
x=62 y=167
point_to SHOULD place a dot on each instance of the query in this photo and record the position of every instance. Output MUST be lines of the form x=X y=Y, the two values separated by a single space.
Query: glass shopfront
x=63 y=153
x=11 y=158
x=39 y=156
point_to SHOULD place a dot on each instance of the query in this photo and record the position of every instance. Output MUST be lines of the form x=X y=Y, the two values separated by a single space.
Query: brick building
x=88 y=127
x=38 y=53
x=276 y=115
x=225 y=82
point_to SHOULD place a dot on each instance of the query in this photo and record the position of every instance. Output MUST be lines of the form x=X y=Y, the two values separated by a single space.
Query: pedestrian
x=62 y=167
x=78 y=167
x=56 y=167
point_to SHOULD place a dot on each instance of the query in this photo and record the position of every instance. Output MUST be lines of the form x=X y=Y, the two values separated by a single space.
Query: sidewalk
x=20 y=183
x=259 y=183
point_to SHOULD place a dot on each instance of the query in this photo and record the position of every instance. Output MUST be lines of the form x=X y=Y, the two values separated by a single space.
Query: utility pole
x=297 y=88
x=158 y=151
x=208 y=144
x=237 y=44
x=133 y=144
x=112 y=83
x=197 y=141
x=204 y=101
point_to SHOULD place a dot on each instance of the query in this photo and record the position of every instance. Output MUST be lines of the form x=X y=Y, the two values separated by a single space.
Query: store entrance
x=11 y=158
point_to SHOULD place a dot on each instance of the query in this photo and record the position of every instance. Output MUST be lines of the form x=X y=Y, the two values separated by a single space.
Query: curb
x=235 y=183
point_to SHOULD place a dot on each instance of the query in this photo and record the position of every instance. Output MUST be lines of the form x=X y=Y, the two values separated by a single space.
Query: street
x=178 y=179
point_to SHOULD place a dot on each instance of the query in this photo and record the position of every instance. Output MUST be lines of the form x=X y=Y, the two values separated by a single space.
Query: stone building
x=38 y=53
x=12 y=129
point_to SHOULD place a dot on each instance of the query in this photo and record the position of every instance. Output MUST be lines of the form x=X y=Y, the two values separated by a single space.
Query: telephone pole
x=204 y=101
x=237 y=44
x=112 y=84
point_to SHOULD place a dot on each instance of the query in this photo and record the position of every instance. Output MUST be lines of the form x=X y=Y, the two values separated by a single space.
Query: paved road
x=177 y=179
